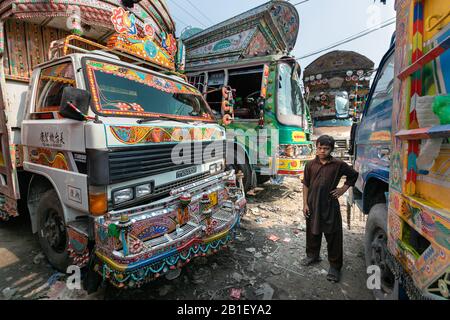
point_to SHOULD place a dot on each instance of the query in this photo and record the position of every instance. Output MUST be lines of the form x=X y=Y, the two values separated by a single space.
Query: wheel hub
x=378 y=257
x=54 y=231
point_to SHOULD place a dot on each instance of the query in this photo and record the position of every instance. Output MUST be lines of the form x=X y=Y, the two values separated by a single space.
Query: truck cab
x=121 y=164
x=265 y=114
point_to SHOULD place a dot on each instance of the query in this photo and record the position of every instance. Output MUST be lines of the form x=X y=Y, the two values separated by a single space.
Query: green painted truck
x=244 y=69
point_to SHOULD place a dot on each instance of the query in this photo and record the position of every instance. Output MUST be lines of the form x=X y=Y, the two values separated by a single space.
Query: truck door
x=373 y=139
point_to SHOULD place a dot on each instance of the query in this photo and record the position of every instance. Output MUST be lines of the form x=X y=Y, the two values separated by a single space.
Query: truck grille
x=133 y=163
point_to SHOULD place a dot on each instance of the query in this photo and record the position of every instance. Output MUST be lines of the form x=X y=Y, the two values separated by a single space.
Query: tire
x=375 y=246
x=52 y=232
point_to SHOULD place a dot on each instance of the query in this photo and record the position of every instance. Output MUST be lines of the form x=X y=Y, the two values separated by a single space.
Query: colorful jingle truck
x=249 y=56
x=117 y=159
x=402 y=153
x=337 y=84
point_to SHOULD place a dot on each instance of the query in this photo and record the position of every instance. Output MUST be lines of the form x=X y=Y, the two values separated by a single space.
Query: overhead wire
x=200 y=11
x=191 y=15
x=351 y=38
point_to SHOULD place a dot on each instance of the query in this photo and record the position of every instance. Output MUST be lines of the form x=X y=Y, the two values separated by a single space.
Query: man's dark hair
x=326 y=141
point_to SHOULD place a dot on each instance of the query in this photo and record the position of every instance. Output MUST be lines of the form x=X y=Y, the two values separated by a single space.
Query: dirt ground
x=262 y=263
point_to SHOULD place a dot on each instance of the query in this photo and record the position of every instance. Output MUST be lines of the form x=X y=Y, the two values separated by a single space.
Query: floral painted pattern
x=133 y=135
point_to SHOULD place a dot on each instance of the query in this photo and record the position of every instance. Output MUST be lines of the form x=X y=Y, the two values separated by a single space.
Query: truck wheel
x=375 y=245
x=52 y=232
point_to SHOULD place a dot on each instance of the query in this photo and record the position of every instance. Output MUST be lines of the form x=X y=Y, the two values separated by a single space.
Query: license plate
x=186 y=172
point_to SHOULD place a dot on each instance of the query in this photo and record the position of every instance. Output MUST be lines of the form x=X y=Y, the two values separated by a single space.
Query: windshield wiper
x=148 y=119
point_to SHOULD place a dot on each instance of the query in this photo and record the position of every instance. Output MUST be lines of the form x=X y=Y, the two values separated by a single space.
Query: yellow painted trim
x=217 y=236
x=115 y=265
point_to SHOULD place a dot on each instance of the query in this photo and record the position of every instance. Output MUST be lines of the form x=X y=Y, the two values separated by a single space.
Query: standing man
x=321 y=205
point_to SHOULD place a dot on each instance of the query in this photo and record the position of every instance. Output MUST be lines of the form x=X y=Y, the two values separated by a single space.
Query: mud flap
x=92 y=280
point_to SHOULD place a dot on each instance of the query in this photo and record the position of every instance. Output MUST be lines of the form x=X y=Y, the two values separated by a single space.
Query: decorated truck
x=117 y=159
x=336 y=86
x=402 y=152
x=244 y=69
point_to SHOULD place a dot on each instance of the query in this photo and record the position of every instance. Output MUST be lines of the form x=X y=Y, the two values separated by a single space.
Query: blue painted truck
x=372 y=139
x=371 y=149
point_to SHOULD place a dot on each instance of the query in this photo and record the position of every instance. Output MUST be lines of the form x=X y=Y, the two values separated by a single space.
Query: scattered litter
x=251 y=267
x=173 y=274
x=235 y=294
x=38 y=258
x=265 y=290
x=273 y=238
x=251 y=250
x=199 y=281
x=57 y=290
x=214 y=266
x=241 y=238
x=164 y=290
x=54 y=277
x=323 y=271
x=255 y=211
x=258 y=255
x=37 y=292
x=264 y=207
x=259 y=220
x=8 y=293
x=276 y=271
x=236 y=277
x=202 y=261
x=200 y=275
x=287 y=240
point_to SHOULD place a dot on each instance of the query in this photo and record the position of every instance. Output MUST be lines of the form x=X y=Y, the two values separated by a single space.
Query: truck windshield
x=290 y=102
x=122 y=91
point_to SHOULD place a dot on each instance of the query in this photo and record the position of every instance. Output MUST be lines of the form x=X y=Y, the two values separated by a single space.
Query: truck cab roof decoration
x=269 y=29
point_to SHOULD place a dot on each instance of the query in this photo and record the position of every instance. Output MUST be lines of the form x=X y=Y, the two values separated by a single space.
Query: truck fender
x=374 y=192
x=40 y=183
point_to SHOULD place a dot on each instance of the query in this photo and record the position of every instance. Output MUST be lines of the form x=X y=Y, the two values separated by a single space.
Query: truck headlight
x=123 y=195
x=143 y=190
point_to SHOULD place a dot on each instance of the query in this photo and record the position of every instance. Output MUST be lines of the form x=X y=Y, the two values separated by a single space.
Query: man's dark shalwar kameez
x=325 y=214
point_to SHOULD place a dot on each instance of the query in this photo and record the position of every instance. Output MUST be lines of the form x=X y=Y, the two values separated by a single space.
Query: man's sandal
x=333 y=275
x=310 y=261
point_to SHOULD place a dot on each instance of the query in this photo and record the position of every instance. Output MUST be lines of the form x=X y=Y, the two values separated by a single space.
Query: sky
x=322 y=22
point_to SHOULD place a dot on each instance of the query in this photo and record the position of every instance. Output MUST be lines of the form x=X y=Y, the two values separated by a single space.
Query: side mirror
x=74 y=103
x=351 y=150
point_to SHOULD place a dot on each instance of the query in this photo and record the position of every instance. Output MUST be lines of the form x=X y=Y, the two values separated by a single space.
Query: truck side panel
x=419 y=207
